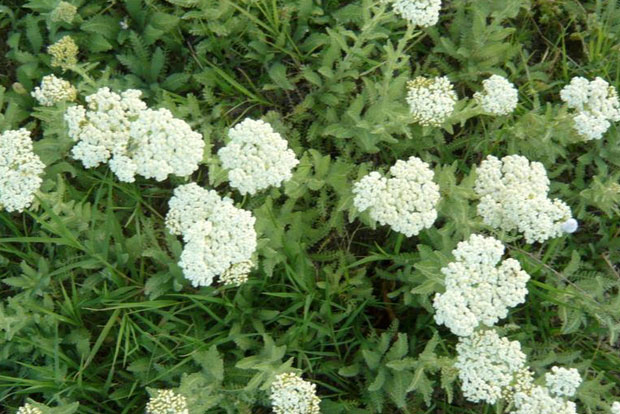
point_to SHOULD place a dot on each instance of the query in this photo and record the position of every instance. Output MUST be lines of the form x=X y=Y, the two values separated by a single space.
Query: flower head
x=237 y=274
x=167 y=402
x=64 y=53
x=256 y=157
x=20 y=170
x=219 y=237
x=423 y=13
x=101 y=130
x=290 y=394
x=120 y=130
x=479 y=289
x=54 y=90
x=513 y=196
x=595 y=104
x=431 y=101
x=487 y=364
x=160 y=145
x=500 y=97
x=64 y=12
x=407 y=201
x=562 y=381
x=615 y=407
x=539 y=401
x=29 y=409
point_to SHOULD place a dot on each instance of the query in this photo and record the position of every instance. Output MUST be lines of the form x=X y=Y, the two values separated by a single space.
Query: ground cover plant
x=304 y=206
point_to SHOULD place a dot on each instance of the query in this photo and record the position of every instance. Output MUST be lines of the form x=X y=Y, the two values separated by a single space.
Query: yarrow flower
x=54 y=90
x=523 y=382
x=64 y=12
x=407 y=201
x=539 y=401
x=595 y=103
x=256 y=157
x=120 y=130
x=562 y=381
x=160 y=145
x=64 y=53
x=219 y=237
x=500 y=97
x=513 y=196
x=101 y=130
x=423 y=13
x=479 y=289
x=615 y=407
x=167 y=402
x=431 y=101
x=290 y=394
x=29 y=409
x=487 y=363
x=237 y=274
x=20 y=170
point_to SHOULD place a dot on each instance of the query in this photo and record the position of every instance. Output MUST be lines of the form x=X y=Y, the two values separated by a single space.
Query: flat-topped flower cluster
x=120 y=130
x=20 y=170
x=431 y=100
x=29 y=409
x=167 y=402
x=407 y=201
x=479 y=289
x=514 y=197
x=595 y=104
x=499 y=96
x=256 y=157
x=423 y=13
x=290 y=394
x=54 y=90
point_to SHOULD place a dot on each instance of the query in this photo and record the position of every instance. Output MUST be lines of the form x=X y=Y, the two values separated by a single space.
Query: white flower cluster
x=500 y=97
x=290 y=394
x=478 y=291
x=256 y=157
x=539 y=401
x=29 y=409
x=160 y=145
x=167 y=402
x=119 y=129
x=407 y=201
x=596 y=105
x=54 y=90
x=513 y=196
x=487 y=363
x=20 y=170
x=431 y=101
x=102 y=129
x=237 y=274
x=64 y=12
x=219 y=237
x=562 y=381
x=423 y=13
x=523 y=382
x=615 y=407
